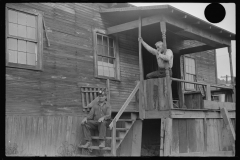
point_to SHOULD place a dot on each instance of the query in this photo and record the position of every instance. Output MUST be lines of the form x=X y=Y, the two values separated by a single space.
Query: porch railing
x=208 y=86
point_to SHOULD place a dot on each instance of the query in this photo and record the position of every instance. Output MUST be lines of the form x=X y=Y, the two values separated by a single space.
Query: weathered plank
x=182 y=130
x=191 y=135
x=205 y=154
x=175 y=137
x=137 y=138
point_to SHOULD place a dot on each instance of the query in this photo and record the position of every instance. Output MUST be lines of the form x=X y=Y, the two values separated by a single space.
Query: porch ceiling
x=179 y=23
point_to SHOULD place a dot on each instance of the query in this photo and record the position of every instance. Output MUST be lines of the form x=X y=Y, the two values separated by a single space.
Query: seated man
x=163 y=58
x=98 y=118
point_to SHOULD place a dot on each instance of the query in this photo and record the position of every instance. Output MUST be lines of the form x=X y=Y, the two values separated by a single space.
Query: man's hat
x=102 y=92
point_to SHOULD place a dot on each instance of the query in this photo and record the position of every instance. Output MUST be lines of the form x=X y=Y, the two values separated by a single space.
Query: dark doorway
x=151 y=137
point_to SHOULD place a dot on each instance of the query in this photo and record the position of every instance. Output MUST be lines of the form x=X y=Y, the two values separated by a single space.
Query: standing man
x=98 y=118
x=163 y=58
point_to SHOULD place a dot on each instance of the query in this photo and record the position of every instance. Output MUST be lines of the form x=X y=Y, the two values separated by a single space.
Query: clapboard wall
x=68 y=64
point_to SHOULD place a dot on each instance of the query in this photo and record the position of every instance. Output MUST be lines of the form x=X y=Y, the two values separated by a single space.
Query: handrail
x=200 y=83
x=125 y=105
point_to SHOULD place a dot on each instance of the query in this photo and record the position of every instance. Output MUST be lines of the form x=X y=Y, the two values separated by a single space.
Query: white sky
x=229 y=24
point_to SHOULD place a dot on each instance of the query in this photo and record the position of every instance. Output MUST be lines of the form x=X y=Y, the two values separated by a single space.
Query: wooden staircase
x=118 y=129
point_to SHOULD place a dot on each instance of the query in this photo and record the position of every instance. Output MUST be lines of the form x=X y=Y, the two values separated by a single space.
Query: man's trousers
x=95 y=125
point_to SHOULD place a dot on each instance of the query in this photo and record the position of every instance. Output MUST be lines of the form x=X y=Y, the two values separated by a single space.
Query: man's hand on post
x=101 y=119
x=140 y=39
x=84 y=120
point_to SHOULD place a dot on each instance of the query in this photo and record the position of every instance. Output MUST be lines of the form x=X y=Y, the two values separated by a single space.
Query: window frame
x=97 y=31
x=39 y=38
x=194 y=75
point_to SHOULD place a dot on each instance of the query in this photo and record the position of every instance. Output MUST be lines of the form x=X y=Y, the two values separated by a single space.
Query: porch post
x=141 y=92
x=231 y=72
x=168 y=79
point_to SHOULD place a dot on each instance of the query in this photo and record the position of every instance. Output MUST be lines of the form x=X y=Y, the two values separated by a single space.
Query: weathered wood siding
x=199 y=135
x=68 y=63
x=44 y=108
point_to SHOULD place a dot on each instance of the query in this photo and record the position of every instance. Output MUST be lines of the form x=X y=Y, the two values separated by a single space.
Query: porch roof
x=120 y=16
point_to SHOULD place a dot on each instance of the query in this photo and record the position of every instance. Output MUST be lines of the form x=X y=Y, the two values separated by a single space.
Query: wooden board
x=175 y=137
x=183 y=140
x=137 y=138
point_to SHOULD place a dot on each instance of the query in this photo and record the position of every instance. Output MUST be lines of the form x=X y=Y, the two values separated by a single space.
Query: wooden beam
x=168 y=79
x=228 y=123
x=114 y=149
x=199 y=114
x=141 y=87
x=204 y=154
x=196 y=49
x=155 y=114
x=198 y=34
x=162 y=137
x=231 y=72
x=168 y=137
x=134 y=24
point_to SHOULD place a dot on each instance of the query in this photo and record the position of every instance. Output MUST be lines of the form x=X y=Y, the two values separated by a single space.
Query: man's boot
x=88 y=144
x=102 y=144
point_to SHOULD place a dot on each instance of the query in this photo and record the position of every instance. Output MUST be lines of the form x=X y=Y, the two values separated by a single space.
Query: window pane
x=22 y=18
x=31 y=47
x=100 y=61
x=187 y=71
x=12 y=44
x=105 y=43
x=105 y=61
x=111 y=52
x=22 y=45
x=31 y=59
x=21 y=57
x=100 y=50
x=13 y=29
x=111 y=62
x=111 y=72
x=105 y=50
x=100 y=70
x=31 y=21
x=186 y=61
x=12 y=16
x=22 y=31
x=30 y=33
x=12 y=56
x=99 y=39
x=110 y=42
x=106 y=71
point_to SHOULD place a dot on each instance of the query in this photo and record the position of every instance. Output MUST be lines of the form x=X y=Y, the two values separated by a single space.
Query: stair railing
x=125 y=105
x=112 y=125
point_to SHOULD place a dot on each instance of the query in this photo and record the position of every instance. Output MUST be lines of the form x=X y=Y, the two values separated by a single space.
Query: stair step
x=96 y=137
x=96 y=147
x=126 y=120
x=122 y=129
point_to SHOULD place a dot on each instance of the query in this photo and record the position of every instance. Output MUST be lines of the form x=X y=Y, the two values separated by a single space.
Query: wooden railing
x=208 y=90
x=124 y=105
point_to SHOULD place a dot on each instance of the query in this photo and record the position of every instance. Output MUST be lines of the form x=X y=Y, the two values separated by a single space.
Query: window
x=190 y=73
x=106 y=57
x=23 y=38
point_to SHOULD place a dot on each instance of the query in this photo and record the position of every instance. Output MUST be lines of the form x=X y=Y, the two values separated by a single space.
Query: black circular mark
x=215 y=12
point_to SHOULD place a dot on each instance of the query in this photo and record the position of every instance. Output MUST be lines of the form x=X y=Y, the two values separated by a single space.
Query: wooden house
x=58 y=55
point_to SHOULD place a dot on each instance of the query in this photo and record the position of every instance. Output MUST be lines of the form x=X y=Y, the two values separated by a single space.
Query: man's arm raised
x=149 y=48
